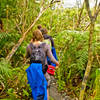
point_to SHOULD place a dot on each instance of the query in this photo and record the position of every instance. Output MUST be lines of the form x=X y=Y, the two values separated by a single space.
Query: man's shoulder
x=46 y=36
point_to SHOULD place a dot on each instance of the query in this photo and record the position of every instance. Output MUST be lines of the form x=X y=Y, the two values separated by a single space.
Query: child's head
x=37 y=36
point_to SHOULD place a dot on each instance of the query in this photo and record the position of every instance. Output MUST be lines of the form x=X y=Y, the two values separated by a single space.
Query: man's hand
x=56 y=67
x=57 y=64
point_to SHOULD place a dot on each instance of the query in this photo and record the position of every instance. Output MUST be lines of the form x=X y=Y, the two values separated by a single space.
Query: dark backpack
x=38 y=55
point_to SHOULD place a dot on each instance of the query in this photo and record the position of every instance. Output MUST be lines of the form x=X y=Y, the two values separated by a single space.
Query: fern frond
x=5 y=69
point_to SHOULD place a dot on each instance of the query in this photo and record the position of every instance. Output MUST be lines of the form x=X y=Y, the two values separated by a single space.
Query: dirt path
x=53 y=90
x=55 y=95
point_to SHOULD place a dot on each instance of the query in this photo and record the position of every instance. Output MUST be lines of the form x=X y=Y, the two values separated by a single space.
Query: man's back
x=46 y=36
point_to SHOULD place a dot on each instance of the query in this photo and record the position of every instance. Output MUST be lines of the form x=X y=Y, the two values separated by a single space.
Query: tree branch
x=88 y=9
x=18 y=28
x=87 y=26
x=54 y=1
x=96 y=4
x=79 y=18
x=3 y=86
x=97 y=12
x=97 y=58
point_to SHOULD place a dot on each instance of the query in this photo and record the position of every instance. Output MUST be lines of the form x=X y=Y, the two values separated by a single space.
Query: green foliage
x=7 y=41
x=97 y=82
x=73 y=55
x=71 y=46
x=72 y=49
x=5 y=70
x=60 y=82
x=25 y=93
x=11 y=94
x=51 y=98
x=6 y=5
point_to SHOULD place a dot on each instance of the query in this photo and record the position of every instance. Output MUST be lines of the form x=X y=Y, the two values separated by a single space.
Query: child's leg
x=47 y=76
x=48 y=93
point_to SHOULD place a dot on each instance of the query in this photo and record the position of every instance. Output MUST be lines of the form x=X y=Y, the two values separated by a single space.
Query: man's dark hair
x=44 y=31
x=39 y=27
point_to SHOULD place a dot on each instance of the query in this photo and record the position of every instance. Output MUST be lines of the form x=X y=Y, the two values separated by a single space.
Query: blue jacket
x=55 y=56
x=37 y=81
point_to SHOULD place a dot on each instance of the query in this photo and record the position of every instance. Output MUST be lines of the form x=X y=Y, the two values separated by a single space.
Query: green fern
x=73 y=55
x=97 y=97
x=5 y=69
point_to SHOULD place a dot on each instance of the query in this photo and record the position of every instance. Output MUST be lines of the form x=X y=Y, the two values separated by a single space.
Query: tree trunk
x=90 y=52
x=90 y=59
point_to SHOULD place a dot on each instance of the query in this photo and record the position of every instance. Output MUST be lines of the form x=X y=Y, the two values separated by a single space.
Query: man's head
x=39 y=27
x=44 y=31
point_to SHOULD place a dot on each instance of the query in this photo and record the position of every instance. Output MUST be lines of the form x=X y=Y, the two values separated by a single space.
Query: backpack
x=38 y=55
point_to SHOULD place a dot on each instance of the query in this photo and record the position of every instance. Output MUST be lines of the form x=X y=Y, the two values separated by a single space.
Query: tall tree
x=90 y=52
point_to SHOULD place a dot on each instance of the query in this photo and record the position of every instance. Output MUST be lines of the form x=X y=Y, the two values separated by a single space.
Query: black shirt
x=46 y=36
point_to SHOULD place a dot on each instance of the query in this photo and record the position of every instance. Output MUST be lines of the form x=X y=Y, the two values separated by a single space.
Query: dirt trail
x=55 y=94
x=53 y=90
